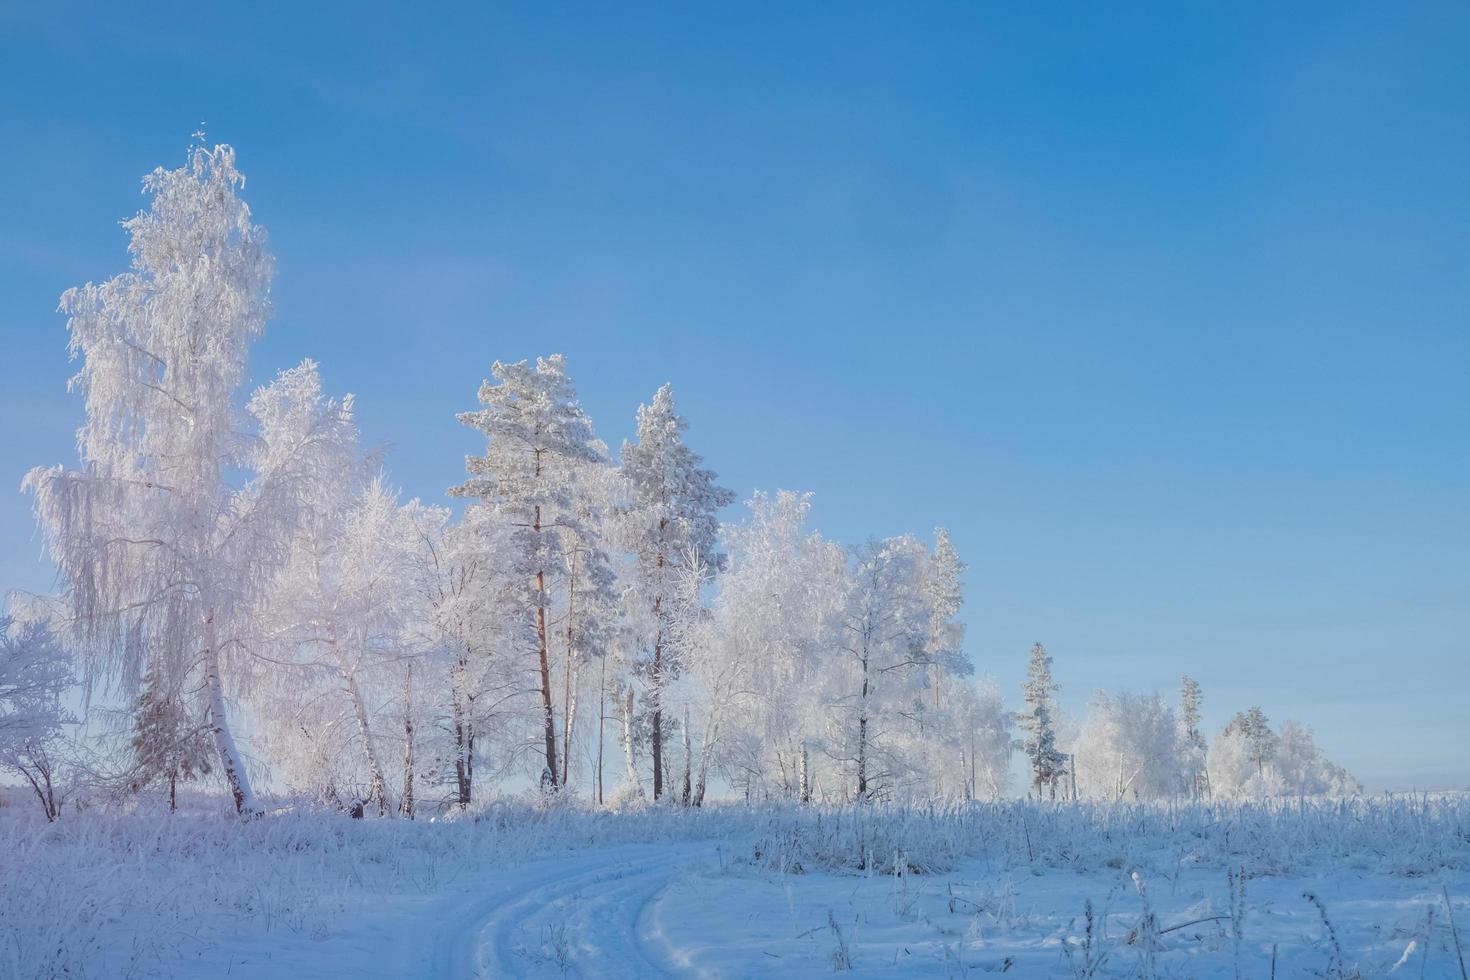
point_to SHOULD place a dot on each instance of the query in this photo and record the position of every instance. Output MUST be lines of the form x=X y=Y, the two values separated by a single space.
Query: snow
x=784 y=891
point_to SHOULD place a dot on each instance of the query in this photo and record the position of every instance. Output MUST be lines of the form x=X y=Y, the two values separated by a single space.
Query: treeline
x=250 y=580
x=252 y=590
x=1138 y=747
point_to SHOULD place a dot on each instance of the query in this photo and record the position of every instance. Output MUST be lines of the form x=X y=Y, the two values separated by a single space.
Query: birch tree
x=181 y=507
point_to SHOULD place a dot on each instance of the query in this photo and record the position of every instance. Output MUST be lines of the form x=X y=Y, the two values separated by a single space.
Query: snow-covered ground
x=1319 y=889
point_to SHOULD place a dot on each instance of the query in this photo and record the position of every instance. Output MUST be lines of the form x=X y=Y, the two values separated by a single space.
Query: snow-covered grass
x=1409 y=836
x=1065 y=889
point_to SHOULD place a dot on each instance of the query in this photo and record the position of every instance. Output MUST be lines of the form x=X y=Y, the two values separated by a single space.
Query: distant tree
x=880 y=637
x=34 y=673
x=944 y=592
x=1253 y=726
x=1048 y=763
x=775 y=628
x=984 y=732
x=1129 y=748
x=670 y=522
x=1192 y=741
x=168 y=744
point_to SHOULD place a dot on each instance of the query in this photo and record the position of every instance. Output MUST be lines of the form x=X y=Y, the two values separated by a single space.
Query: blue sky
x=1162 y=309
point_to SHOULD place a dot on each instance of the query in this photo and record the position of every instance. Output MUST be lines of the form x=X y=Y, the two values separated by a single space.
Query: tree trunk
x=601 y=723
x=405 y=800
x=569 y=696
x=806 y=783
x=656 y=736
x=463 y=736
x=711 y=733
x=173 y=791
x=547 y=707
x=686 y=784
x=862 y=760
x=630 y=755
x=231 y=763
x=378 y=790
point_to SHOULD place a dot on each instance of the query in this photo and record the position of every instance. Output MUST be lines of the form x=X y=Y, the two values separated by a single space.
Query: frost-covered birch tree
x=181 y=508
x=881 y=634
x=774 y=624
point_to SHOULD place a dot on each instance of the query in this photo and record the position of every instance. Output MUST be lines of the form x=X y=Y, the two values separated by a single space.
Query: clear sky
x=1161 y=309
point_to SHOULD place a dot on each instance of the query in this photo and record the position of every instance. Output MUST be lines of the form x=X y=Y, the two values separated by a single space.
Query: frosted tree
x=1247 y=764
x=1192 y=742
x=1302 y=768
x=944 y=592
x=669 y=522
x=537 y=434
x=34 y=674
x=169 y=744
x=984 y=734
x=1254 y=727
x=181 y=508
x=1038 y=721
x=586 y=616
x=936 y=722
x=881 y=634
x=339 y=609
x=1128 y=749
x=774 y=624
x=469 y=623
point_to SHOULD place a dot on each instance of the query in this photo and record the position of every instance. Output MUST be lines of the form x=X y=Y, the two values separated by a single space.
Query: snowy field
x=1333 y=889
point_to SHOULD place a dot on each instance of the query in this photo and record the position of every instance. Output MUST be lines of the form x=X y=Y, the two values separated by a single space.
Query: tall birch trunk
x=569 y=681
x=862 y=759
x=547 y=707
x=379 y=787
x=630 y=755
x=405 y=800
x=601 y=723
x=464 y=736
x=806 y=775
x=686 y=784
x=231 y=764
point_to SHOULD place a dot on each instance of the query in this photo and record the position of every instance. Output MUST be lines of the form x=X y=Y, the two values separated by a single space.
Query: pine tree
x=1197 y=776
x=670 y=524
x=945 y=594
x=537 y=434
x=168 y=745
x=1048 y=764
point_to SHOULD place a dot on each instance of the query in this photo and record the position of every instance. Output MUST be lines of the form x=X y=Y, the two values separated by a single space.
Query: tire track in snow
x=580 y=915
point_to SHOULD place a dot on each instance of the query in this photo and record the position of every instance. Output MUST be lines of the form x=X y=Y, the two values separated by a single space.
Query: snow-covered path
x=580 y=915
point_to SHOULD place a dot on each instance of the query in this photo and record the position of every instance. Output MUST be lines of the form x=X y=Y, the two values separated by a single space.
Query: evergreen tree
x=537 y=435
x=671 y=527
x=168 y=745
x=1192 y=740
x=1048 y=763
